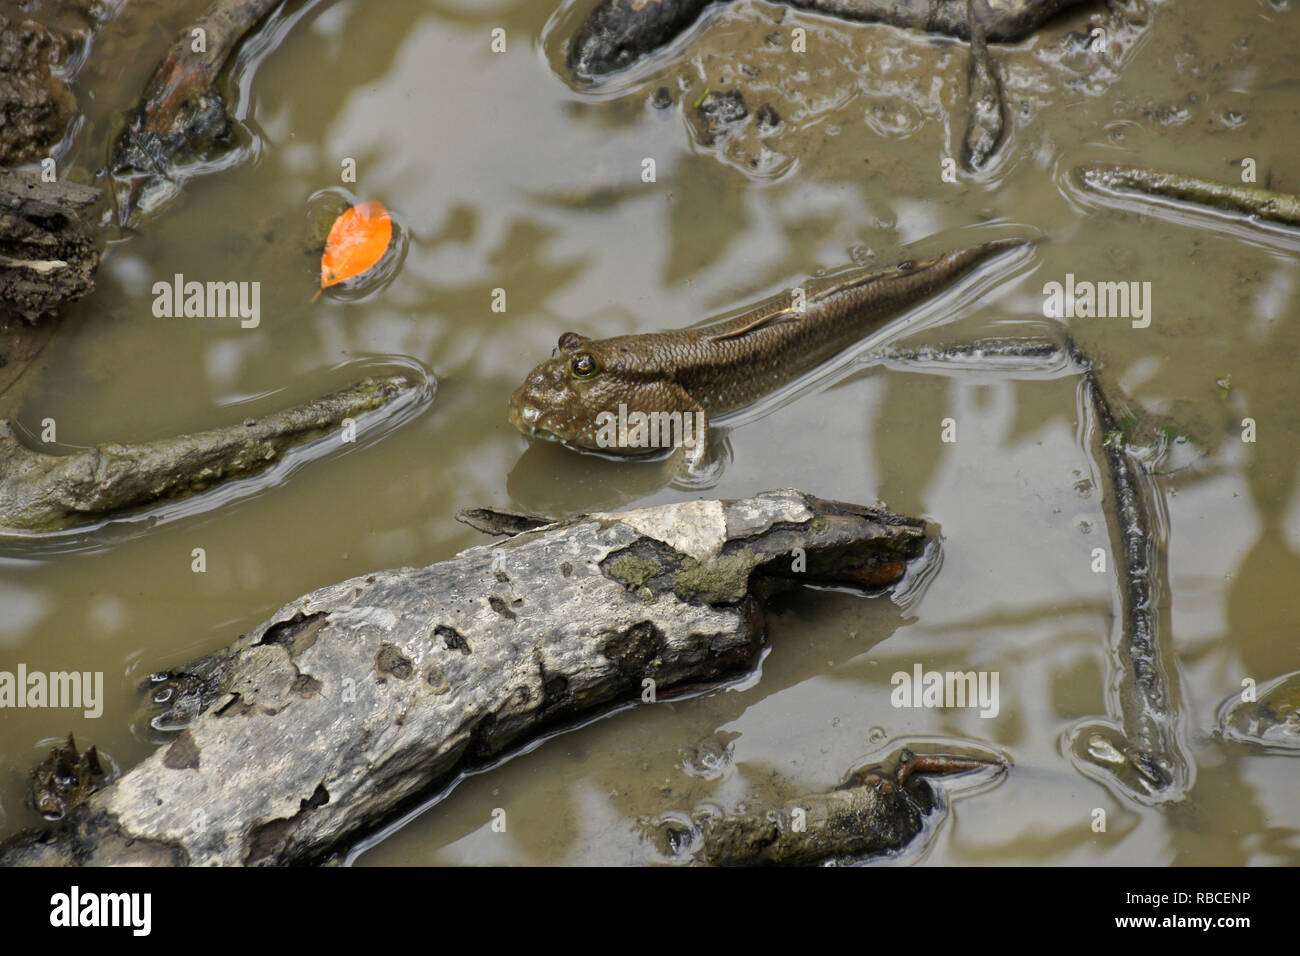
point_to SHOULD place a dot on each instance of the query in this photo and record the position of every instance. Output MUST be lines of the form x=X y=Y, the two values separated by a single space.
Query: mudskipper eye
x=583 y=366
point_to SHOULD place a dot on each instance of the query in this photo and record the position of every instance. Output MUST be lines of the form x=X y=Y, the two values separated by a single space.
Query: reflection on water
x=505 y=177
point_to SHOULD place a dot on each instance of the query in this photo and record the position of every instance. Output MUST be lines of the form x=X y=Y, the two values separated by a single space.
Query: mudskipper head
x=561 y=399
x=618 y=396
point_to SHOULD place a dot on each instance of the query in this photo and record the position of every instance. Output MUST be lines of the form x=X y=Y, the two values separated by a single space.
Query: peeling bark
x=40 y=492
x=353 y=702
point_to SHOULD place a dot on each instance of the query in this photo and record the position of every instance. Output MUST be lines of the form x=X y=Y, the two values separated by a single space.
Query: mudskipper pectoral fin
x=694 y=463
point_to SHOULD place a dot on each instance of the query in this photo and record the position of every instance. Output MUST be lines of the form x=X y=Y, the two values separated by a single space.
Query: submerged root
x=41 y=493
x=1250 y=200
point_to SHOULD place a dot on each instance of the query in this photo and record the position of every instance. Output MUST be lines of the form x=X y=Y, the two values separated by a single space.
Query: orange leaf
x=357 y=240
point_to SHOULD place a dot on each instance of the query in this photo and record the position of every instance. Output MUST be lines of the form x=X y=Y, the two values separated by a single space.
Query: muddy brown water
x=503 y=175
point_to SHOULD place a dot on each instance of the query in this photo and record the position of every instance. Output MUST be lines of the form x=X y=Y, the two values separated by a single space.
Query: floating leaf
x=357 y=240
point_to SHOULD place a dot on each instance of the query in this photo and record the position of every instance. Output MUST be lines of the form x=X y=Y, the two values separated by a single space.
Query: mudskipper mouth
x=543 y=434
x=523 y=419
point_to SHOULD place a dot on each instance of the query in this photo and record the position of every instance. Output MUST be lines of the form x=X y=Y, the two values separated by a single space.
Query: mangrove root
x=1140 y=752
x=875 y=811
x=40 y=492
x=65 y=780
x=987 y=123
x=620 y=32
x=47 y=252
x=355 y=701
x=181 y=115
x=1251 y=200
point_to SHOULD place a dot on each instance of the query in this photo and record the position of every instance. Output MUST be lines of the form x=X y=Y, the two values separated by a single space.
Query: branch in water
x=181 y=114
x=1140 y=751
x=1251 y=200
x=620 y=32
x=40 y=492
x=987 y=123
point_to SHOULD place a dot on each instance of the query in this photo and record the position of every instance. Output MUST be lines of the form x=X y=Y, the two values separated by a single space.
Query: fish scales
x=723 y=367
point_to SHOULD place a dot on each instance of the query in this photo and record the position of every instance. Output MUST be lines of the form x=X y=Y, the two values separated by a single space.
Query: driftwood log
x=353 y=702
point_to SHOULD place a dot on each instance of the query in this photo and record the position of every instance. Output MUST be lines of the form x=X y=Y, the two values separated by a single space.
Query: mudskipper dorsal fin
x=762 y=322
x=854 y=279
